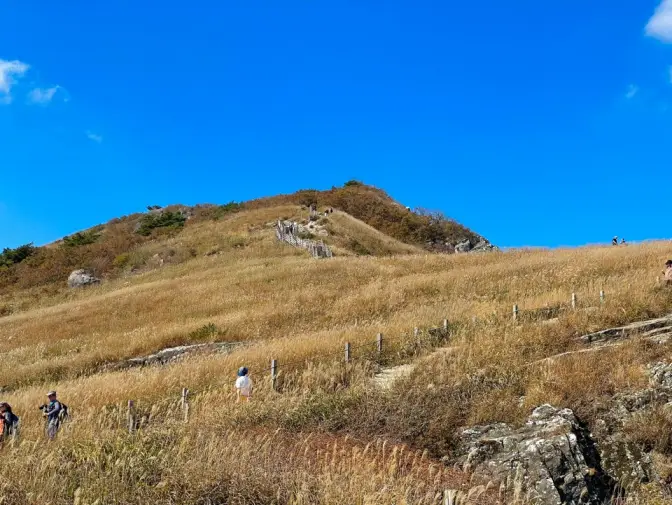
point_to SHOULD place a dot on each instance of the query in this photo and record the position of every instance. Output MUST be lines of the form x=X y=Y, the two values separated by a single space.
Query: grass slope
x=111 y=250
x=328 y=436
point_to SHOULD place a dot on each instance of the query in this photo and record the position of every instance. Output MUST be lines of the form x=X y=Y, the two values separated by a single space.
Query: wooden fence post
x=347 y=352
x=515 y=312
x=379 y=343
x=416 y=332
x=601 y=295
x=574 y=301
x=185 y=404
x=274 y=373
x=131 y=416
x=445 y=325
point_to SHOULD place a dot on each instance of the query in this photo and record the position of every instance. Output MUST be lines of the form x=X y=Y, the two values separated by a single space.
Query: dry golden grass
x=296 y=309
x=348 y=230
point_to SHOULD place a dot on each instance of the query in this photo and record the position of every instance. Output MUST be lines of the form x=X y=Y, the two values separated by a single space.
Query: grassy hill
x=110 y=250
x=328 y=434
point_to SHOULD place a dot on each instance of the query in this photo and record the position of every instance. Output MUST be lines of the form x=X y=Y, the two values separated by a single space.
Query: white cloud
x=42 y=96
x=660 y=24
x=10 y=71
x=94 y=137
x=632 y=91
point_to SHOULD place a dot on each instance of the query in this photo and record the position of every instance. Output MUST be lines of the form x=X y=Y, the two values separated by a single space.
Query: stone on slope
x=82 y=278
x=463 y=247
x=484 y=246
x=552 y=460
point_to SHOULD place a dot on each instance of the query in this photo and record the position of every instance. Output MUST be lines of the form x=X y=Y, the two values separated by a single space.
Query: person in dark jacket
x=10 y=421
x=52 y=413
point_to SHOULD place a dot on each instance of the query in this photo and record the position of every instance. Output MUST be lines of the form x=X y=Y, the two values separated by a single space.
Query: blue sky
x=533 y=123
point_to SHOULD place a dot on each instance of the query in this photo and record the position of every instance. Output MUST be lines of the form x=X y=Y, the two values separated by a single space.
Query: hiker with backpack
x=9 y=421
x=55 y=412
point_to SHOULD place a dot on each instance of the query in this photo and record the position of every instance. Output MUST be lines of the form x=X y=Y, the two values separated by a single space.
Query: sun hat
x=242 y=371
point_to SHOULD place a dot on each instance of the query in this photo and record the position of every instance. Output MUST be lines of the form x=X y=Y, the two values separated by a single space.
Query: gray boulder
x=484 y=246
x=622 y=458
x=551 y=460
x=82 y=278
x=463 y=247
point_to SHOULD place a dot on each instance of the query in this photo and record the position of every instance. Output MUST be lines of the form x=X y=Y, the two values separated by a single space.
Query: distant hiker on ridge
x=614 y=241
x=622 y=241
x=243 y=385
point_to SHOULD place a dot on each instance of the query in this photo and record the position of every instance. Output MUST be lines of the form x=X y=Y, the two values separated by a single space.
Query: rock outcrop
x=82 y=278
x=555 y=460
x=552 y=460
x=463 y=247
x=621 y=457
x=481 y=246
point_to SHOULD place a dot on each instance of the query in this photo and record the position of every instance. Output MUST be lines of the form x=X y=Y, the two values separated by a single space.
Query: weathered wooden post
x=515 y=312
x=274 y=373
x=379 y=343
x=574 y=301
x=185 y=404
x=445 y=325
x=347 y=352
x=601 y=295
x=416 y=332
x=131 y=416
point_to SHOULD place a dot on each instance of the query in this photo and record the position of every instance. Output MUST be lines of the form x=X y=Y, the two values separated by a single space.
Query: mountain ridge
x=107 y=249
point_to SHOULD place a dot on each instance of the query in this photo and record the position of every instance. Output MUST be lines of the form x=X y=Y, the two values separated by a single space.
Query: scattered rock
x=659 y=329
x=82 y=278
x=552 y=460
x=484 y=246
x=481 y=246
x=622 y=458
x=463 y=247
x=171 y=354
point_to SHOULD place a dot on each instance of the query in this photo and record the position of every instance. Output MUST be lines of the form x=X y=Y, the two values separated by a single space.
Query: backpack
x=64 y=414
x=14 y=424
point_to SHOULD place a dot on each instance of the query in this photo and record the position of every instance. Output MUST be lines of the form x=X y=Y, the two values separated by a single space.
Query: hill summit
x=367 y=222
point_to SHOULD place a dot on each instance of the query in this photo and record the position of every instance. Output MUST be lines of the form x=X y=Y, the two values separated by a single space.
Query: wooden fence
x=288 y=232
x=418 y=339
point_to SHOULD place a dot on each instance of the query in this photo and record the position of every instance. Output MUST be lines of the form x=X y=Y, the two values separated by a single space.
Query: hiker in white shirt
x=243 y=385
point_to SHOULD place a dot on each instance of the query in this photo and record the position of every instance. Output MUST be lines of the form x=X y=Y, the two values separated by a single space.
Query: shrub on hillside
x=222 y=210
x=373 y=206
x=121 y=261
x=11 y=257
x=306 y=235
x=306 y=197
x=81 y=238
x=168 y=219
x=205 y=333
